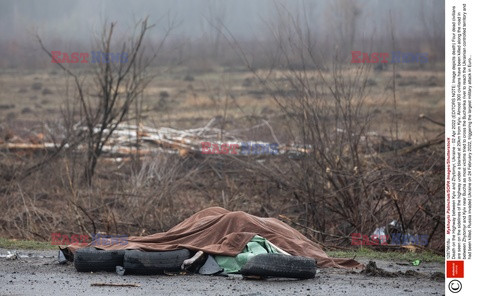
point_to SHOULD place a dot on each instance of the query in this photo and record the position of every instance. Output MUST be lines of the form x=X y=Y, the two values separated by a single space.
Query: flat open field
x=179 y=99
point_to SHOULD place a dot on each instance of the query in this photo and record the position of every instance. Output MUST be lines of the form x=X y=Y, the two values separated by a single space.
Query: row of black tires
x=133 y=261
x=139 y=262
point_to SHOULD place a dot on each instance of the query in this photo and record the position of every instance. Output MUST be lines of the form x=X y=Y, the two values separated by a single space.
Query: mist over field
x=71 y=25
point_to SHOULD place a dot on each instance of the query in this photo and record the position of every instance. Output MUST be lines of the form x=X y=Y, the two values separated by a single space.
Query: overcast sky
x=76 y=20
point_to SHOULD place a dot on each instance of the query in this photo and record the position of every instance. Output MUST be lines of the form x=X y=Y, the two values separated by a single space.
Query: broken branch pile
x=127 y=140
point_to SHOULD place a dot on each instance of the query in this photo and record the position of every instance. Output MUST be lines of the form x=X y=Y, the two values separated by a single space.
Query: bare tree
x=106 y=97
x=217 y=14
x=327 y=114
x=433 y=27
x=343 y=18
x=343 y=184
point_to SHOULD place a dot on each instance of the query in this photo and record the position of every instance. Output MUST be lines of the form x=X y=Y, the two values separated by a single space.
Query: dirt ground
x=38 y=273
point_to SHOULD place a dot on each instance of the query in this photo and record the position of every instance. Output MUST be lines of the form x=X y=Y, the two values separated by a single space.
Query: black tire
x=91 y=259
x=278 y=265
x=139 y=262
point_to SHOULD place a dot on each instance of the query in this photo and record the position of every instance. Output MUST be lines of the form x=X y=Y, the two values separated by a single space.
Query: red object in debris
x=454 y=269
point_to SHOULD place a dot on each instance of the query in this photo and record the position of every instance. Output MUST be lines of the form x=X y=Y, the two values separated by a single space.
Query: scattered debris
x=210 y=267
x=61 y=257
x=120 y=270
x=416 y=262
x=371 y=269
x=15 y=255
x=12 y=255
x=381 y=235
x=127 y=140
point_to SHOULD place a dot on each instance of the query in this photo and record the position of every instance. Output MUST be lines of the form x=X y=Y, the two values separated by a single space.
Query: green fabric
x=258 y=245
x=416 y=263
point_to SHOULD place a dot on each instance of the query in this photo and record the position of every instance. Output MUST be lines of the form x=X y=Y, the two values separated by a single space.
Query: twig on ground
x=423 y=116
x=114 y=285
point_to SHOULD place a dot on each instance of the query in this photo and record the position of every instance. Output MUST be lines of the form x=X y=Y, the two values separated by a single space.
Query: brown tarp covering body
x=221 y=232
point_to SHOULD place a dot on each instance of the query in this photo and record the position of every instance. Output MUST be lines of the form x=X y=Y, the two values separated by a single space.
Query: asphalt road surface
x=38 y=273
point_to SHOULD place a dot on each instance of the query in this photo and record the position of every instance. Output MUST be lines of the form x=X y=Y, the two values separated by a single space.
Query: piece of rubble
x=12 y=255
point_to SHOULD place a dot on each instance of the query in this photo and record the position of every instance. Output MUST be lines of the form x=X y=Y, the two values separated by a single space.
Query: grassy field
x=179 y=99
x=13 y=244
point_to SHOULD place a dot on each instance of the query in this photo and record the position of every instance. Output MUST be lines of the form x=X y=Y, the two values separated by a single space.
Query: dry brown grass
x=141 y=198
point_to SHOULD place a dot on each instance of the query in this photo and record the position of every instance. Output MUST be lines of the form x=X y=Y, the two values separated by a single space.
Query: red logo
x=363 y=57
x=454 y=269
x=381 y=57
x=64 y=239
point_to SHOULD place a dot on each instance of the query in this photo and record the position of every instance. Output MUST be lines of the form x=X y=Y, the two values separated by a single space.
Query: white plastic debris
x=381 y=235
x=12 y=255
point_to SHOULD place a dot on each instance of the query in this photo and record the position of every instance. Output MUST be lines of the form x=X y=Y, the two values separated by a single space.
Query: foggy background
x=352 y=25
